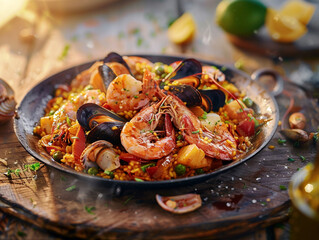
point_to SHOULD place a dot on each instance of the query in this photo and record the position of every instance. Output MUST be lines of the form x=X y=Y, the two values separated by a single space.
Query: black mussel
x=187 y=94
x=207 y=104
x=90 y=114
x=102 y=78
x=107 y=75
x=109 y=131
x=115 y=57
x=187 y=72
x=216 y=96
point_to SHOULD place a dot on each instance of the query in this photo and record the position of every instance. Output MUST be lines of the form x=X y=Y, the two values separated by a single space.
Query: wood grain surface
x=241 y=201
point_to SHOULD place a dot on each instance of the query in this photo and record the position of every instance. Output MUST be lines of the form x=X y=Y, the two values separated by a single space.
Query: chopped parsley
x=21 y=234
x=65 y=52
x=302 y=158
x=147 y=166
x=179 y=137
x=291 y=159
x=194 y=132
x=71 y=188
x=204 y=116
x=109 y=173
x=139 y=41
x=89 y=209
x=120 y=35
x=150 y=121
x=282 y=187
x=128 y=199
x=33 y=167
x=136 y=97
x=138 y=180
x=281 y=141
x=68 y=121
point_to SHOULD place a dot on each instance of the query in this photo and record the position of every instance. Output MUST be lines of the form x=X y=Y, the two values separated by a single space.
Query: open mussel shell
x=188 y=94
x=109 y=131
x=115 y=57
x=181 y=203
x=213 y=99
x=107 y=75
x=89 y=111
x=187 y=72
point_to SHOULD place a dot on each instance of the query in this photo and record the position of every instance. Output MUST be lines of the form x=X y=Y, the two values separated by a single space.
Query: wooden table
x=244 y=202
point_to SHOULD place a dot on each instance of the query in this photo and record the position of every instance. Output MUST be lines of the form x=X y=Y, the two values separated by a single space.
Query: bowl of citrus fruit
x=245 y=18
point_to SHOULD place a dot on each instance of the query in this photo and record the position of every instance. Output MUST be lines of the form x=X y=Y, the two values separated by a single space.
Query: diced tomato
x=79 y=144
x=151 y=170
x=246 y=128
x=127 y=157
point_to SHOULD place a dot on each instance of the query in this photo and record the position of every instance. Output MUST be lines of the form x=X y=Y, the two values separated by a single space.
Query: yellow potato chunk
x=192 y=157
x=46 y=124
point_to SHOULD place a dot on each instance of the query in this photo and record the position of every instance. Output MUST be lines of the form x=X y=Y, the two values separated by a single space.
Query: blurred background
x=40 y=37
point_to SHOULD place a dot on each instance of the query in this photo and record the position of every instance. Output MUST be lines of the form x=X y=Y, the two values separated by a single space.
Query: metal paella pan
x=32 y=108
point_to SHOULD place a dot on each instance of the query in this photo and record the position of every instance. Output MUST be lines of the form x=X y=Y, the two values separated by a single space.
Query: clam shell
x=180 y=204
x=7 y=102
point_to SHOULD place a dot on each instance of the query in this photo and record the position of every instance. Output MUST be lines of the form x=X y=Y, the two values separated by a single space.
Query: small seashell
x=7 y=102
x=297 y=120
x=295 y=134
x=181 y=203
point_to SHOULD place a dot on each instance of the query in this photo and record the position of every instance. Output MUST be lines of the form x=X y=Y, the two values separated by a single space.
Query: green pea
x=199 y=171
x=159 y=70
x=92 y=171
x=51 y=112
x=248 y=102
x=111 y=174
x=57 y=156
x=180 y=169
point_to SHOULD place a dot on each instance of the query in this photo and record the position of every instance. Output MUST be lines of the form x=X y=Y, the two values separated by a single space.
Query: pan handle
x=270 y=79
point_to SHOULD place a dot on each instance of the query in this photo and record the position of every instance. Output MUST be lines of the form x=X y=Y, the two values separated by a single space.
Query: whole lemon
x=241 y=17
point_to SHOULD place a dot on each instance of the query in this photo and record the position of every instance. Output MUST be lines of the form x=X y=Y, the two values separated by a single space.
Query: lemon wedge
x=303 y=11
x=283 y=28
x=182 y=30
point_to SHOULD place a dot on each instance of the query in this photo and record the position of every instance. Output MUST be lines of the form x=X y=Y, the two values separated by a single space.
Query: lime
x=240 y=17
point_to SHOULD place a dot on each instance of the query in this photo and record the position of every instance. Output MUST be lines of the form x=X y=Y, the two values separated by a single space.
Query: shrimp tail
x=220 y=146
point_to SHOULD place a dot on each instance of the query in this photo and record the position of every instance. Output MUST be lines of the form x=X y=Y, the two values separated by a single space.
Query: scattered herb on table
x=139 y=41
x=302 y=158
x=291 y=159
x=89 y=209
x=71 y=188
x=282 y=187
x=127 y=200
x=21 y=234
x=281 y=141
x=65 y=52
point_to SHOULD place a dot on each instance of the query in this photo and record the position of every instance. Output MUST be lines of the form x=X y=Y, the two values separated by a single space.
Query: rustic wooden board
x=240 y=200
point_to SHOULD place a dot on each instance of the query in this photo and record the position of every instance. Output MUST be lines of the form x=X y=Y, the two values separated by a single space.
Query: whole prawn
x=218 y=144
x=139 y=137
